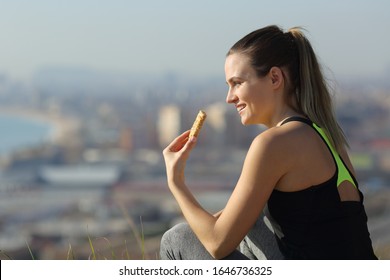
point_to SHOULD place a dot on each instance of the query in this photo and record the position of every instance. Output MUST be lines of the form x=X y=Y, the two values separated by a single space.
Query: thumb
x=190 y=144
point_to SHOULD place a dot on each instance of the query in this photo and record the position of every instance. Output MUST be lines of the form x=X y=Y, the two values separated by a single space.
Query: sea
x=20 y=132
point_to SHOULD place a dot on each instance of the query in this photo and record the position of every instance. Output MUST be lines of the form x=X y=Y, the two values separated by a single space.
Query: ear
x=277 y=78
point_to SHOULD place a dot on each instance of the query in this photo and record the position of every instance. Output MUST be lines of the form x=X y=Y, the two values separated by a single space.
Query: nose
x=231 y=97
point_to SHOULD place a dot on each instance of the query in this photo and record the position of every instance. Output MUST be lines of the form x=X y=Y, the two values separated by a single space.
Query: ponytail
x=312 y=92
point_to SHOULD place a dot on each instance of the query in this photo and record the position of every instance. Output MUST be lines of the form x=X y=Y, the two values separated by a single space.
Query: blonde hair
x=308 y=91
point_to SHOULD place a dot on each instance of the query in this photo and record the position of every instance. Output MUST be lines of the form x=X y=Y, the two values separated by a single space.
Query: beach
x=61 y=125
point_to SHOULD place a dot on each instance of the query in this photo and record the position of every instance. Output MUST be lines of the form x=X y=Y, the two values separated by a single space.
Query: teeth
x=240 y=108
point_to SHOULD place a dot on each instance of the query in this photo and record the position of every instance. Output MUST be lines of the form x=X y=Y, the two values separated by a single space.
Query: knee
x=172 y=240
x=175 y=234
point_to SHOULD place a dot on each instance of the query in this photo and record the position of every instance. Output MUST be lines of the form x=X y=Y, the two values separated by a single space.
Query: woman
x=297 y=171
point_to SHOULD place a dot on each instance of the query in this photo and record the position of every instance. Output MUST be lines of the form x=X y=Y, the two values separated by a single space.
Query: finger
x=189 y=145
x=178 y=143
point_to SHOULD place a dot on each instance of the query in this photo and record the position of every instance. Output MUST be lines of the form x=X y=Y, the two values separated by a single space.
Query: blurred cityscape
x=97 y=187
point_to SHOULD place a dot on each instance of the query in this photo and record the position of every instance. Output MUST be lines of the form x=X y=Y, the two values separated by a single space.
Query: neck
x=296 y=115
x=279 y=118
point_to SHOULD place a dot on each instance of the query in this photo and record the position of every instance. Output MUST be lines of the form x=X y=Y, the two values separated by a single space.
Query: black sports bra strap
x=297 y=118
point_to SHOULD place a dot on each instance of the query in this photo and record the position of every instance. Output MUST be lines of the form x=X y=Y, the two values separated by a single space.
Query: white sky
x=351 y=37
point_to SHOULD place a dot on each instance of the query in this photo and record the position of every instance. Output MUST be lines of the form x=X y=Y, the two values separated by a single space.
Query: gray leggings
x=180 y=243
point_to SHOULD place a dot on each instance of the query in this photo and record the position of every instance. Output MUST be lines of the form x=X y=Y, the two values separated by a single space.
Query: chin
x=246 y=122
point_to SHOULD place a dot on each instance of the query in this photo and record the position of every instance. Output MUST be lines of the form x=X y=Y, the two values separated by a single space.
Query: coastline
x=61 y=125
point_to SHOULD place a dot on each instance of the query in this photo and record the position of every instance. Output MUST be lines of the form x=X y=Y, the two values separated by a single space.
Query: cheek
x=255 y=98
x=247 y=95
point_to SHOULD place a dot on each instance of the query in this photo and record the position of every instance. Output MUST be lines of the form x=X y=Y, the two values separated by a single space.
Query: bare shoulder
x=282 y=138
x=302 y=157
x=286 y=144
x=263 y=165
x=272 y=147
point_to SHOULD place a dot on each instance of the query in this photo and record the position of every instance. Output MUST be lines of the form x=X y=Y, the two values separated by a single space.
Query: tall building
x=216 y=121
x=126 y=139
x=168 y=124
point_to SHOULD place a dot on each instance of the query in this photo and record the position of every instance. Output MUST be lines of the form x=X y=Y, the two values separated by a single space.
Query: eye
x=236 y=83
x=233 y=83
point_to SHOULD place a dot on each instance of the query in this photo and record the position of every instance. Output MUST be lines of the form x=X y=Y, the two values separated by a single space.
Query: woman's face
x=251 y=95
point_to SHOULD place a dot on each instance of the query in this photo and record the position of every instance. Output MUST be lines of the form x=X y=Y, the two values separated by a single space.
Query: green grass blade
x=139 y=238
x=29 y=249
x=70 y=255
x=127 y=251
x=92 y=248
x=142 y=239
x=113 y=255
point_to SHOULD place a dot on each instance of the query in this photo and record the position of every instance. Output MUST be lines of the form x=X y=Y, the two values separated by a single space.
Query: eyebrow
x=232 y=78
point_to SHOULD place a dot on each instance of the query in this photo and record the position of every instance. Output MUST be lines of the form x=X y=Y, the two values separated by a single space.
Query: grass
x=70 y=254
x=137 y=233
x=140 y=238
x=2 y=253
x=105 y=248
x=29 y=249
x=92 y=248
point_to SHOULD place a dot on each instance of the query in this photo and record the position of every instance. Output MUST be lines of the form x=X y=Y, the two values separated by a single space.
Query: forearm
x=210 y=231
x=200 y=221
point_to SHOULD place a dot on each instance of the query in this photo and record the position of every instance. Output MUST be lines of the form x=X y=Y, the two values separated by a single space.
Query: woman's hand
x=176 y=155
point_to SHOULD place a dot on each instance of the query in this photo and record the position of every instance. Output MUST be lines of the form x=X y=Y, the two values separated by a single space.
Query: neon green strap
x=343 y=174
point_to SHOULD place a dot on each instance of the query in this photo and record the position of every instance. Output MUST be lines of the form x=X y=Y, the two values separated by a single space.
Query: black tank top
x=314 y=223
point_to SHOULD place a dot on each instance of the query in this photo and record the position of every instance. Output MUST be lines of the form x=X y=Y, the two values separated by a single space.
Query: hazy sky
x=351 y=37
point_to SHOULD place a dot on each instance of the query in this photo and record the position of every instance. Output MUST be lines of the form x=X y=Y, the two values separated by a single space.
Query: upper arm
x=263 y=166
x=218 y=214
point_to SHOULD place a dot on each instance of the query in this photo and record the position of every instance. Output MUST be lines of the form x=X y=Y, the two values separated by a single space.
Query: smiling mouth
x=240 y=108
